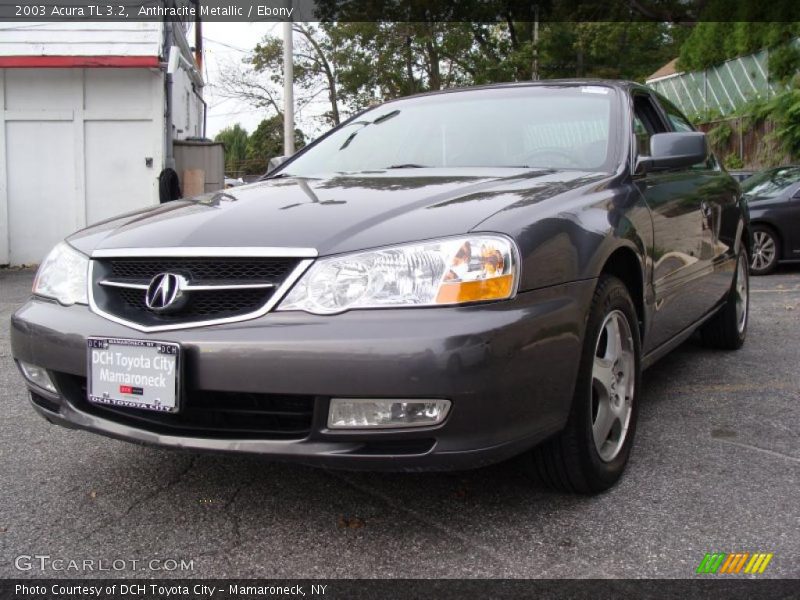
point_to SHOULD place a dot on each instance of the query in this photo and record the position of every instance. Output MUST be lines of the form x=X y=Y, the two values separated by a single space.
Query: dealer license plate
x=134 y=373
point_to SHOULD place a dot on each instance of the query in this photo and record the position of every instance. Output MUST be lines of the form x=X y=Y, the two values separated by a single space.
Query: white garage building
x=83 y=124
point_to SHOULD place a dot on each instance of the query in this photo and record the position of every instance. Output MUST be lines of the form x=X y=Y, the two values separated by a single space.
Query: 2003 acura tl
x=443 y=281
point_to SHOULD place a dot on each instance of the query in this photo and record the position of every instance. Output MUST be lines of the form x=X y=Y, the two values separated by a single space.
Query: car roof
x=620 y=84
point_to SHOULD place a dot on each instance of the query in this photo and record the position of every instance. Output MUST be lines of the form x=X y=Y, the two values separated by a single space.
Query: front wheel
x=766 y=248
x=590 y=454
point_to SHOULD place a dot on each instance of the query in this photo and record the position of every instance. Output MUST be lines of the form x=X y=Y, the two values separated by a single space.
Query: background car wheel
x=766 y=250
x=728 y=328
x=589 y=455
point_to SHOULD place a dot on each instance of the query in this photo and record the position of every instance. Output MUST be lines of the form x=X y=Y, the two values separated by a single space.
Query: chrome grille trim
x=124 y=284
x=189 y=287
x=205 y=252
x=276 y=297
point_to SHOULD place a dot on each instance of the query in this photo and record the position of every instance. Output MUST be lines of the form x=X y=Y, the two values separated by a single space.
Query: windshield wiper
x=407 y=166
x=386 y=117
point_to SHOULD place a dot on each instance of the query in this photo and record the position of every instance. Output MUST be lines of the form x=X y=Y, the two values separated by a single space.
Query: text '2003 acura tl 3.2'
x=442 y=282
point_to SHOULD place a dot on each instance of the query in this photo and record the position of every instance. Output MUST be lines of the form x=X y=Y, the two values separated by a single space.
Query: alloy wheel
x=613 y=379
x=764 y=250
x=742 y=292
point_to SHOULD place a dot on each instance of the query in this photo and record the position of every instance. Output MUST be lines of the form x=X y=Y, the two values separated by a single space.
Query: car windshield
x=770 y=184
x=525 y=127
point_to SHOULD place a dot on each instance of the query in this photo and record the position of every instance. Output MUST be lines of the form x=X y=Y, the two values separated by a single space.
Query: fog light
x=358 y=413
x=37 y=376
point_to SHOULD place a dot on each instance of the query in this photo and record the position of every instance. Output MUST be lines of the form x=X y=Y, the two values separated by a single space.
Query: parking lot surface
x=714 y=468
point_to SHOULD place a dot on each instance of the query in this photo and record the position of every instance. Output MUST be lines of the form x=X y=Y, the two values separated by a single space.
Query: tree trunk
x=434 y=76
x=329 y=74
x=412 y=84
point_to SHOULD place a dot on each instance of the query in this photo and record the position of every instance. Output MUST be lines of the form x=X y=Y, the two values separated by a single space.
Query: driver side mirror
x=674 y=150
x=275 y=162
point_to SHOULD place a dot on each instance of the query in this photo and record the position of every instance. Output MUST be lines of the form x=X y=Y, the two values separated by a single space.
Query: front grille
x=201 y=305
x=240 y=287
x=208 y=414
x=203 y=269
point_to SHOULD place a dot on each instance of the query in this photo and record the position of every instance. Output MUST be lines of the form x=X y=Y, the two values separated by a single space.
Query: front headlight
x=473 y=268
x=62 y=276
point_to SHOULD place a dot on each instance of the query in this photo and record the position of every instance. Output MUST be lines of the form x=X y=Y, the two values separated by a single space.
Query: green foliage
x=352 y=64
x=784 y=63
x=732 y=161
x=250 y=154
x=720 y=134
x=379 y=61
x=267 y=142
x=235 y=140
x=781 y=113
x=784 y=111
x=712 y=42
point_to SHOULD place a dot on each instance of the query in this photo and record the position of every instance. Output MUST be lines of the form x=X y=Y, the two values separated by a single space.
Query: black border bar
x=712 y=586
x=431 y=11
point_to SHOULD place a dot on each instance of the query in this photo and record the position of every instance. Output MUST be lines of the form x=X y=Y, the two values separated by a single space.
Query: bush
x=784 y=111
x=720 y=135
x=732 y=161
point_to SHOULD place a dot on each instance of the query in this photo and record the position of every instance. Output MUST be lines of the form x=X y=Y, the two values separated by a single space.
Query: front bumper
x=509 y=369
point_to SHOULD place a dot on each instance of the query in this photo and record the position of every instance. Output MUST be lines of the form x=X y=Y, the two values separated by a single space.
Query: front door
x=683 y=232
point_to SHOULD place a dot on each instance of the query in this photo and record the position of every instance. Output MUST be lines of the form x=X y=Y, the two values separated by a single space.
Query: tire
x=727 y=329
x=766 y=250
x=573 y=461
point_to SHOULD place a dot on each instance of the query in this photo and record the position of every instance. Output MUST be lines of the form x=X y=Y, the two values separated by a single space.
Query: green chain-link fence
x=721 y=89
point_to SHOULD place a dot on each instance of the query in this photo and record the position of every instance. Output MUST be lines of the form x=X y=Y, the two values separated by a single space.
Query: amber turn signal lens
x=496 y=288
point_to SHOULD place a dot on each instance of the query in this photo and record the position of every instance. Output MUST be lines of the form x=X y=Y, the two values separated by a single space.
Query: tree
x=267 y=142
x=712 y=42
x=259 y=80
x=383 y=60
x=235 y=140
x=349 y=64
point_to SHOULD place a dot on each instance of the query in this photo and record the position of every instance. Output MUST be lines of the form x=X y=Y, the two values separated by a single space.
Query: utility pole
x=288 y=90
x=535 y=69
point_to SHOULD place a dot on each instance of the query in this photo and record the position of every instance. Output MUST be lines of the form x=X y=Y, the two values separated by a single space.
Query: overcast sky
x=226 y=43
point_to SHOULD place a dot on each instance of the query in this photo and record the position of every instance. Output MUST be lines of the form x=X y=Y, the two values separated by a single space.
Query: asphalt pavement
x=714 y=468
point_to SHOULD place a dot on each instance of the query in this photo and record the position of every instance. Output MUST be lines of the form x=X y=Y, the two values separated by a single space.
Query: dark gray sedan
x=444 y=281
x=773 y=197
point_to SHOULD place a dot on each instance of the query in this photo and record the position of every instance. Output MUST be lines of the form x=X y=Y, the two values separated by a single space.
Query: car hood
x=762 y=201
x=338 y=213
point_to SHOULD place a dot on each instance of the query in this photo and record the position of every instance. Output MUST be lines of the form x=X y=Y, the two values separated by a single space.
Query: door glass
x=645 y=123
x=676 y=119
x=642 y=137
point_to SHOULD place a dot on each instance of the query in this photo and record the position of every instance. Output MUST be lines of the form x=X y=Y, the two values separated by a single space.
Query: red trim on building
x=69 y=62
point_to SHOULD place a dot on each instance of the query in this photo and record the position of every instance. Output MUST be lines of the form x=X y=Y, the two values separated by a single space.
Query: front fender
x=571 y=236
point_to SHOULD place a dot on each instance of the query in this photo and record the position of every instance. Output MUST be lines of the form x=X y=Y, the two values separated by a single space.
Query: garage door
x=79 y=146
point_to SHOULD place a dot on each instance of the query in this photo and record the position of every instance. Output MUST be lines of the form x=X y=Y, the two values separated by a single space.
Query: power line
x=213 y=41
x=229 y=114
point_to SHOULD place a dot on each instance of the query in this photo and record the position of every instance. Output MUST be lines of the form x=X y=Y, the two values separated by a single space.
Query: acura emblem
x=164 y=294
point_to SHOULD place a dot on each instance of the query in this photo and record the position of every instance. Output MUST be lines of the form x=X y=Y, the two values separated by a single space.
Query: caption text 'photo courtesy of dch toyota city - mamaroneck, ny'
x=396 y=299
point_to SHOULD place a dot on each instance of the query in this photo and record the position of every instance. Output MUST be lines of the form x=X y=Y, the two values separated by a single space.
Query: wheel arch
x=624 y=263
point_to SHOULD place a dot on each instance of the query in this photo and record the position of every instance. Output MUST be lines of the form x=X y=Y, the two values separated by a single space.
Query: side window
x=642 y=137
x=646 y=122
x=676 y=119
